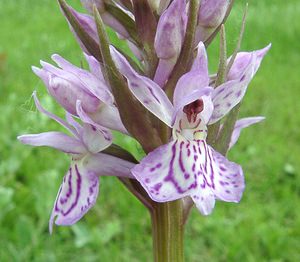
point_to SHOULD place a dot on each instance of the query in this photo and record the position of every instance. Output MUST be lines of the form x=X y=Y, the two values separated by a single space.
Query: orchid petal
x=77 y=194
x=107 y=165
x=186 y=99
x=94 y=136
x=77 y=75
x=240 y=124
x=145 y=90
x=164 y=70
x=225 y=178
x=70 y=119
x=172 y=171
x=56 y=140
x=66 y=88
x=94 y=67
x=242 y=61
x=109 y=117
x=229 y=94
x=204 y=201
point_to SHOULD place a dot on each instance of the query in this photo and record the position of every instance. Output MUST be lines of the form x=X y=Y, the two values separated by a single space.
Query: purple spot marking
x=228 y=94
x=238 y=94
x=186 y=176
x=157 y=187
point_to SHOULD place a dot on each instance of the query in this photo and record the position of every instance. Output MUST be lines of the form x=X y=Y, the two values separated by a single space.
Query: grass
x=265 y=226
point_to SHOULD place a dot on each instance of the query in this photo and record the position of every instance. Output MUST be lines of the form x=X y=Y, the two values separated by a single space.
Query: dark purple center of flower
x=193 y=109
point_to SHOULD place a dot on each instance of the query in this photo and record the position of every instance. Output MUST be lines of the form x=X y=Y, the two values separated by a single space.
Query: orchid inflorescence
x=160 y=93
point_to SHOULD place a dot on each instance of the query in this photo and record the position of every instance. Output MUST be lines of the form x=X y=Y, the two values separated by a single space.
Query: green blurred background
x=265 y=226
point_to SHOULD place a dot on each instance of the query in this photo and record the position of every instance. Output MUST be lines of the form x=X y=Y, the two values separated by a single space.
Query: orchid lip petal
x=190 y=168
x=77 y=194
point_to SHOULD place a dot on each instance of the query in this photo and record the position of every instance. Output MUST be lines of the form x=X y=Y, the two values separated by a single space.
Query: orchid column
x=162 y=95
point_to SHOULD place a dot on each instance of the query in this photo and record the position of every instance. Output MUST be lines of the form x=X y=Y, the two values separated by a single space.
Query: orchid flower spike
x=68 y=83
x=187 y=165
x=79 y=189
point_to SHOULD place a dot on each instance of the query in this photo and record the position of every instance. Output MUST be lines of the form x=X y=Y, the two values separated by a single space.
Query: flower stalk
x=168 y=231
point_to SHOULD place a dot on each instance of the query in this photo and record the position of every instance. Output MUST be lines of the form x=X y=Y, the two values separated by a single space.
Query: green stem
x=167 y=231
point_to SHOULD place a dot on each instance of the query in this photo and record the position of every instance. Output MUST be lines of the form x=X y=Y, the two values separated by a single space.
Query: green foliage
x=265 y=226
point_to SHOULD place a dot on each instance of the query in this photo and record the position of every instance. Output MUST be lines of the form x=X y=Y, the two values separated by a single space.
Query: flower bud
x=211 y=15
x=108 y=19
x=70 y=83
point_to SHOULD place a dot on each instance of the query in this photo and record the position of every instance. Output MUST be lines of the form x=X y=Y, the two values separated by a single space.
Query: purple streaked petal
x=244 y=59
x=145 y=90
x=57 y=140
x=52 y=116
x=240 y=124
x=172 y=171
x=229 y=94
x=77 y=194
x=95 y=137
x=225 y=178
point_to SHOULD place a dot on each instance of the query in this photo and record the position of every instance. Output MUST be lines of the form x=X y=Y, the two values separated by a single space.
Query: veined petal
x=77 y=194
x=145 y=90
x=242 y=61
x=240 y=124
x=225 y=178
x=172 y=171
x=94 y=136
x=229 y=94
x=56 y=140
